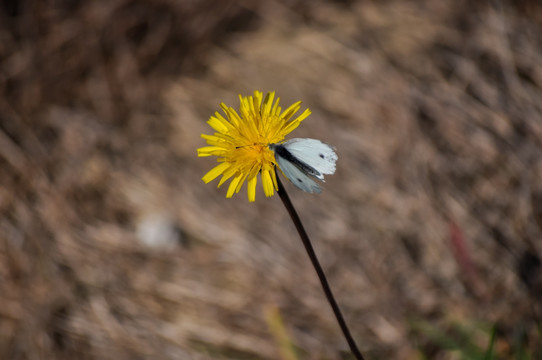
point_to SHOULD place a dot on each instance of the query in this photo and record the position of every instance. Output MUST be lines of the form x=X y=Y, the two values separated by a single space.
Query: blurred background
x=111 y=246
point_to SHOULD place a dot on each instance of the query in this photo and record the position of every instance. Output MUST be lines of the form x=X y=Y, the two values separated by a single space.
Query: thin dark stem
x=316 y=264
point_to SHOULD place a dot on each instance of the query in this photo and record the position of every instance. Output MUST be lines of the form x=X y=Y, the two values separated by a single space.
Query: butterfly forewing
x=314 y=153
x=281 y=152
x=299 y=159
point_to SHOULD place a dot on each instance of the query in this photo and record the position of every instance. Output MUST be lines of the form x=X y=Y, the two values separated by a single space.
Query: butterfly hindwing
x=297 y=176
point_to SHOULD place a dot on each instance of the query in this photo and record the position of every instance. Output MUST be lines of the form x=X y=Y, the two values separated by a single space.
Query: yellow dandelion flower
x=241 y=142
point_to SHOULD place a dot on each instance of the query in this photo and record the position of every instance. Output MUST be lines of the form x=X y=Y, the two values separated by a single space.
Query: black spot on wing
x=321 y=155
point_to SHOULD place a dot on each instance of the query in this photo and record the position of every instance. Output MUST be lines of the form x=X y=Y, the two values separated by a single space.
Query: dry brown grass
x=433 y=216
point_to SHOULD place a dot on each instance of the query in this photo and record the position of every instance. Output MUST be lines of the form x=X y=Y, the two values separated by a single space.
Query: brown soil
x=111 y=246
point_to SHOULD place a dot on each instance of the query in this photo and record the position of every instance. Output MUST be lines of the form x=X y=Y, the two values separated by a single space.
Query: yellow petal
x=277 y=110
x=232 y=115
x=295 y=123
x=304 y=115
x=292 y=109
x=258 y=100
x=215 y=172
x=214 y=140
x=241 y=182
x=267 y=183
x=275 y=107
x=251 y=105
x=290 y=127
x=274 y=176
x=267 y=103
x=258 y=95
x=251 y=188
x=211 y=150
x=233 y=185
x=244 y=108
x=227 y=174
x=219 y=124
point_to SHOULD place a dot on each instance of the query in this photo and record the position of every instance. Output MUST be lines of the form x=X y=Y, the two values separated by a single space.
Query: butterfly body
x=301 y=159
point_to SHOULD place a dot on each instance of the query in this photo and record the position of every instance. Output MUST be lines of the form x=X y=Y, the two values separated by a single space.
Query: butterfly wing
x=296 y=176
x=316 y=154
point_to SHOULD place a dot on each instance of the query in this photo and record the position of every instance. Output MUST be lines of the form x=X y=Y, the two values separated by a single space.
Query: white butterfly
x=300 y=158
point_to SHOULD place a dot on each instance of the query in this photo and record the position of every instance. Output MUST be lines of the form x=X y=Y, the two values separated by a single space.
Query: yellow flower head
x=242 y=141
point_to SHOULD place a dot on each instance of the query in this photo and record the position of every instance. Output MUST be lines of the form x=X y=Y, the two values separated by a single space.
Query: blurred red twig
x=463 y=258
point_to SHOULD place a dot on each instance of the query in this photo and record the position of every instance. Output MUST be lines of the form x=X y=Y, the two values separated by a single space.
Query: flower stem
x=319 y=271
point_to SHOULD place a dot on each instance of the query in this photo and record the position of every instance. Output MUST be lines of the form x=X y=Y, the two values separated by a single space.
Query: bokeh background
x=111 y=246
